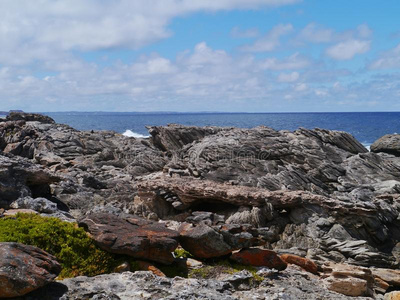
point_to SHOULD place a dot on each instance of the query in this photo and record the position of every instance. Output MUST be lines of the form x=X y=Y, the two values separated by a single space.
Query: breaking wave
x=130 y=133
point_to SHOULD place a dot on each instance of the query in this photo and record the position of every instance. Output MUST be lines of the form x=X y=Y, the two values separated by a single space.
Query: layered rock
x=309 y=195
x=132 y=236
x=24 y=269
x=389 y=143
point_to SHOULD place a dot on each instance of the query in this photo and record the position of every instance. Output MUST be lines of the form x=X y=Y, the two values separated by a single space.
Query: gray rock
x=389 y=143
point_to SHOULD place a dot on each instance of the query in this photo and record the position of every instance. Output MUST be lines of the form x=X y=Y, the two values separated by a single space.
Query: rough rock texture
x=17 y=116
x=203 y=241
x=259 y=258
x=20 y=178
x=289 y=284
x=24 y=269
x=97 y=168
x=389 y=143
x=315 y=194
x=349 y=280
x=304 y=263
x=132 y=236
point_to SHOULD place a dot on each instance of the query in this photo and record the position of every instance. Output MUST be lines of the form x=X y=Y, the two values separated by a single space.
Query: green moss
x=182 y=253
x=72 y=247
x=223 y=266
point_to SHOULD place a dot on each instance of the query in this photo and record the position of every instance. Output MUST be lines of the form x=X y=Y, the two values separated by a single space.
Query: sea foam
x=130 y=133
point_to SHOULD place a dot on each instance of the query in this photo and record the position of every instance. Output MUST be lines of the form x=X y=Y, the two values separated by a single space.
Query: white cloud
x=301 y=87
x=316 y=34
x=348 y=49
x=238 y=33
x=293 y=62
x=288 y=77
x=364 y=31
x=39 y=30
x=271 y=40
x=387 y=60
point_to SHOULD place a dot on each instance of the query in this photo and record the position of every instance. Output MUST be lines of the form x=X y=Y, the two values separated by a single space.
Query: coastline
x=314 y=206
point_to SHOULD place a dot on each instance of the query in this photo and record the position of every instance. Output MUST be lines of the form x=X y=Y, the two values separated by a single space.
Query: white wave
x=130 y=133
x=367 y=145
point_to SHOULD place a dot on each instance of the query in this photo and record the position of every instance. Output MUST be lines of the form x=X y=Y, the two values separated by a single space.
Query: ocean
x=366 y=126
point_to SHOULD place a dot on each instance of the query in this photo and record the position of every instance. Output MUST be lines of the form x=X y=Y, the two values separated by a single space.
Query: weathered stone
x=132 y=236
x=18 y=116
x=302 y=262
x=203 y=241
x=348 y=280
x=392 y=296
x=24 y=269
x=389 y=143
x=259 y=258
x=348 y=286
x=146 y=266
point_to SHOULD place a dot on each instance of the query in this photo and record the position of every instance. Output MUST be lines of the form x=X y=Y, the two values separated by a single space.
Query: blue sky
x=192 y=55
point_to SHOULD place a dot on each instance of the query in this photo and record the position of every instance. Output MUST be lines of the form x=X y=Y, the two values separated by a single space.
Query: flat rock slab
x=259 y=258
x=24 y=269
x=132 y=236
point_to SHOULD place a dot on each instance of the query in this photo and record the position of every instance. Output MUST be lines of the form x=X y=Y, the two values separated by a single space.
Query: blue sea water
x=366 y=126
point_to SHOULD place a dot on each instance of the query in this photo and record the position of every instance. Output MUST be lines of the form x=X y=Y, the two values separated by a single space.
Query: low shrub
x=72 y=247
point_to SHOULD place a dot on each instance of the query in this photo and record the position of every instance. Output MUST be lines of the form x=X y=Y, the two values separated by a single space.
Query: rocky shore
x=236 y=213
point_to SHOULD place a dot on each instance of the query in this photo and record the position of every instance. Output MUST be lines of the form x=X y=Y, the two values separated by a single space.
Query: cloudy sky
x=200 y=55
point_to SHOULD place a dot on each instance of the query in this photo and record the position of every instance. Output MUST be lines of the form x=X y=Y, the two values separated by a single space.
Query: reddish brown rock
x=259 y=258
x=133 y=236
x=302 y=262
x=24 y=269
x=146 y=266
x=348 y=280
x=203 y=242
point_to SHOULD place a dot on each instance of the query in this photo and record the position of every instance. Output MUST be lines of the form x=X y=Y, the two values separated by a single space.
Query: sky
x=200 y=55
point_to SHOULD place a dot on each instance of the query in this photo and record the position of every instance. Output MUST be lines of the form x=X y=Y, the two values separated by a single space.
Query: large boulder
x=389 y=143
x=132 y=236
x=203 y=241
x=24 y=269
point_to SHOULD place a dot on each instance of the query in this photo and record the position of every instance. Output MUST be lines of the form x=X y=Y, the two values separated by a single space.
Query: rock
x=18 y=116
x=390 y=276
x=193 y=263
x=24 y=269
x=287 y=284
x=348 y=286
x=132 y=236
x=203 y=241
x=41 y=205
x=173 y=137
x=302 y=262
x=389 y=143
x=348 y=280
x=21 y=178
x=392 y=296
x=146 y=266
x=13 y=212
x=259 y=258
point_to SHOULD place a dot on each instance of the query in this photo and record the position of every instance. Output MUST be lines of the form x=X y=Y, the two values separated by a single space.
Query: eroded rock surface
x=132 y=236
x=24 y=269
x=309 y=195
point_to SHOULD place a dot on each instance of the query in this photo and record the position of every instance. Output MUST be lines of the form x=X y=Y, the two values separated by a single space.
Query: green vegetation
x=78 y=254
x=223 y=266
x=182 y=253
x=72 y=247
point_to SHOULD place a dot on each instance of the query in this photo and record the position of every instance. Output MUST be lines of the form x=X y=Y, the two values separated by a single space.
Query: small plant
x=73 y=248
x=182 y=253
